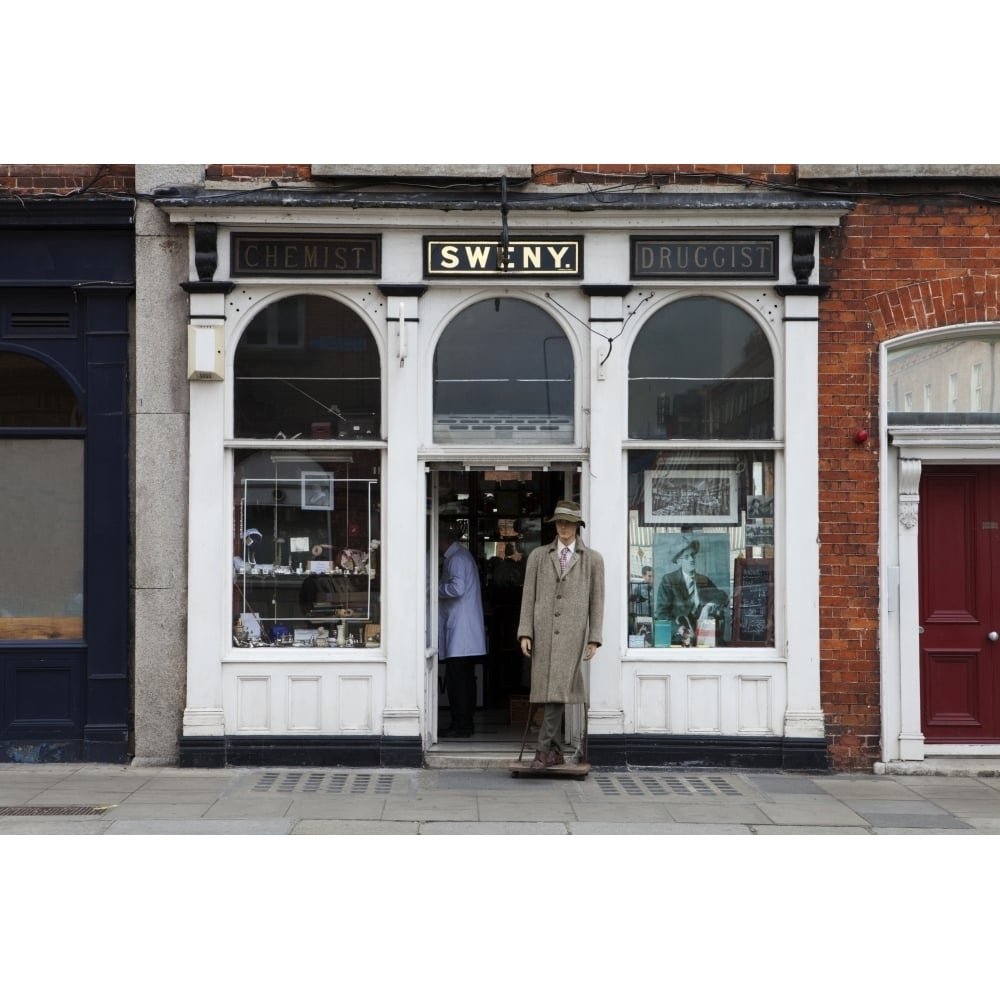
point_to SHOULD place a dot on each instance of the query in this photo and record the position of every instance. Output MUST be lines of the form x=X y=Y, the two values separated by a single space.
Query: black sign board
x=695 y=257
x=300 y=256
x=753 y=602
x=525 y=257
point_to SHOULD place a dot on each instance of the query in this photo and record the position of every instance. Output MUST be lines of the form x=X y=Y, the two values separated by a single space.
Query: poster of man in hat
x=686 y=566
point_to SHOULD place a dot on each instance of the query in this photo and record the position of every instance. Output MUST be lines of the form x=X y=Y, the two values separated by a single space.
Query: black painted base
x=774 y=753
x=297 y=751
x=63 y=752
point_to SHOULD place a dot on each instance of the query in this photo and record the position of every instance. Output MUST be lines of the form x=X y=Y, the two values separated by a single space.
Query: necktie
x=564 y=558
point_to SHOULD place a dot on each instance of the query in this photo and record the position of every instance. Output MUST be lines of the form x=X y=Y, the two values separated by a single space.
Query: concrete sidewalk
x=114 y=799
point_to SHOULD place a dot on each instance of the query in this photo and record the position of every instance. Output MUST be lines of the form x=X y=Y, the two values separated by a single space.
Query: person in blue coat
x=461 y=629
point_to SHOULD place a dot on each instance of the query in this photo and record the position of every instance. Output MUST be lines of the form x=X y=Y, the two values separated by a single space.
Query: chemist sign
x=517 y=258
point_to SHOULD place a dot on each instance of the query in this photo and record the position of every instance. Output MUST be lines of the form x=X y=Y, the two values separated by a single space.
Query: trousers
x=460 y=683
x=550 y=731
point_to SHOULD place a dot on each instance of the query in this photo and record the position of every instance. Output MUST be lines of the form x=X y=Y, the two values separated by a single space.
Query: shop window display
x=306 y=521
x=701 y=520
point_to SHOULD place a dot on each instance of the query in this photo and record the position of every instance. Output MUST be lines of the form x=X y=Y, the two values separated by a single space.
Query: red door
x=959 y=537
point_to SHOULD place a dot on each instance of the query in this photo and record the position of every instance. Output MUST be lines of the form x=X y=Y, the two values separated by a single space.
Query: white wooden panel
x=253 y=703
x=704 y=704
x=355 y=704
x=754 y=704
x=652 y=703
x=304 y=702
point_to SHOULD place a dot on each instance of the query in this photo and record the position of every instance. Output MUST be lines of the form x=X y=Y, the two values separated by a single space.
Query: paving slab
x=201 y=827
x=715 y=812
x=868 y=787
x=792 y=831
x=451 y=806
x=453 y=828
x=817 y=810
x=356 y=827
x=63 y=826
x=333 y=807
x=658 y=829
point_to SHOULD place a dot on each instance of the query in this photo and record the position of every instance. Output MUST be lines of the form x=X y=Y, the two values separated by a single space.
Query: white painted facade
x=386 y=691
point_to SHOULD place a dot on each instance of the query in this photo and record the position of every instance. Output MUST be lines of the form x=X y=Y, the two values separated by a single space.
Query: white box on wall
x=206 y=352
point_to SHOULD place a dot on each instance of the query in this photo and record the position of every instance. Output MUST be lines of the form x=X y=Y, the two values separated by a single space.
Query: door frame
x=432 y=467
x=912 y=447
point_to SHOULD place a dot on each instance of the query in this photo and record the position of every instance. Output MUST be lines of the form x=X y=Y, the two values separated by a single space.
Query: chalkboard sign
x=753 y=602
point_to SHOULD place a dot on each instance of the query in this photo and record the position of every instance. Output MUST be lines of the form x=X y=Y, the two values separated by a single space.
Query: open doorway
x=502 y=513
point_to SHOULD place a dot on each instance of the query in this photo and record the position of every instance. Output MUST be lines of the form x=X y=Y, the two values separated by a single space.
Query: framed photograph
x=317 y=491
x=691 y=496
x=760 y=507
x=680 y=558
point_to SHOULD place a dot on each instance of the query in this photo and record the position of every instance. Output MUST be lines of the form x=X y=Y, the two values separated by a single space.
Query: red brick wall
x=63 y=178
x=894 y=267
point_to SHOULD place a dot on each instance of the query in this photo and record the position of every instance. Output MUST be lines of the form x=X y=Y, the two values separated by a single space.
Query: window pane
x=307 y=366
x=41 y=545
x=701 y=368
x=956 y=379
x=701 y=549
x=33 y=395
x=306 y=539
x=503 y=370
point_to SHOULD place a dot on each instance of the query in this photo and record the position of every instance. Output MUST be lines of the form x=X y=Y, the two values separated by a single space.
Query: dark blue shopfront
x=66 y=285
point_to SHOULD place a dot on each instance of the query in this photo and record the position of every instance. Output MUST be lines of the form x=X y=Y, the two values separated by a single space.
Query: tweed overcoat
x=560 y=615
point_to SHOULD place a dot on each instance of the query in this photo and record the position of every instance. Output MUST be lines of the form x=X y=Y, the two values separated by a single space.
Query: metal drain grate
x=53 y=810
x=664 y=785
x=299 y=782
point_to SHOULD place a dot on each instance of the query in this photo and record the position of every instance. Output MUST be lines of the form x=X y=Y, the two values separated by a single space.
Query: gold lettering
x=531 y=257
x=477 y=256
x=449 y=256
x=557 y=256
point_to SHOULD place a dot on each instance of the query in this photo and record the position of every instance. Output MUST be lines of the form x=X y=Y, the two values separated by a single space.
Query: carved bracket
x=803 y=255
x=909 y=491
x=206 y=250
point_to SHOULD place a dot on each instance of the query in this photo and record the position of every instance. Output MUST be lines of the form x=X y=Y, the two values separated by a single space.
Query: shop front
x=366 y=369
x=66 y=282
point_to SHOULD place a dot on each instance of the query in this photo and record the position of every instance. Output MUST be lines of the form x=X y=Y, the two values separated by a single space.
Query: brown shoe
x=556 y=757
x=541 y=760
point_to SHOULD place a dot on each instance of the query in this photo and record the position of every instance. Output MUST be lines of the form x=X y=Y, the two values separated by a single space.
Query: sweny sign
x=518 y=258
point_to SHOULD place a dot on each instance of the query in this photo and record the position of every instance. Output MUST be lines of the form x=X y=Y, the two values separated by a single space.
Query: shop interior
x=503 y=514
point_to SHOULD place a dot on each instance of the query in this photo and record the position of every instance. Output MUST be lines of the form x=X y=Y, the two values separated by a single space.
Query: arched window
x=701 y=520
x=701 y=368
x=309 y=366
x=306 y=518
x=503 y=372
x=953 y=381
x=41 y=503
